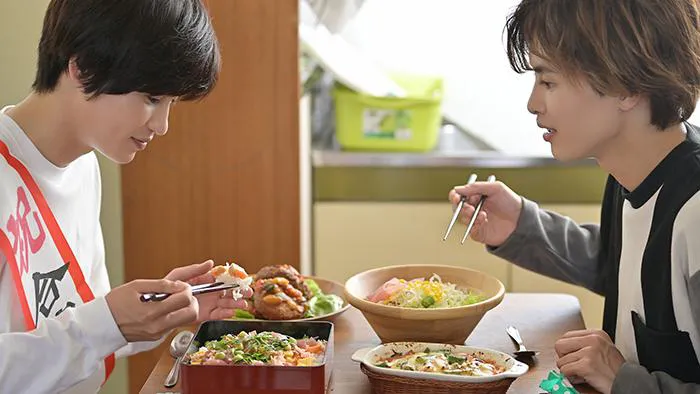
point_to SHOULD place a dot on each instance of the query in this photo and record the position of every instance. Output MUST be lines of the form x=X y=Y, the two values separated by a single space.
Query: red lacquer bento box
x=245 y=379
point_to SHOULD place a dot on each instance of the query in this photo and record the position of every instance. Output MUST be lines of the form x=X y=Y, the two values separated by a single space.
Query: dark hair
x=158 y=47
x=646 y=47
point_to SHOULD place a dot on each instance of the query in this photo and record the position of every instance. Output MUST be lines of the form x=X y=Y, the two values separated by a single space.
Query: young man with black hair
x=108 y=73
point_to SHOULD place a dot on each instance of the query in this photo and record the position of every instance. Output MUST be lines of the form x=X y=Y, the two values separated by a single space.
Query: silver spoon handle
x=515 y=334
x=171 y=379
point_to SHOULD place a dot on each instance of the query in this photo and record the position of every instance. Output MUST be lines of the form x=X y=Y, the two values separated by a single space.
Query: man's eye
x=154 y=100
x=546 y=84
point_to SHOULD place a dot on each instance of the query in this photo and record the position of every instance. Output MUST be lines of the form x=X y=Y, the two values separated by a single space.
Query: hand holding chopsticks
x=196 y=289
x=140 y=319
x=460 y=205
x=501 y=209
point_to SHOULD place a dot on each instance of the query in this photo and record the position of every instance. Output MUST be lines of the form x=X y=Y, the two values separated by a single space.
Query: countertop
x=455 y=148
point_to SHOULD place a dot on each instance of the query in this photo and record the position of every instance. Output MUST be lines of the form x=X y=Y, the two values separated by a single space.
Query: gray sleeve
x=633 y=378
x=554 y=245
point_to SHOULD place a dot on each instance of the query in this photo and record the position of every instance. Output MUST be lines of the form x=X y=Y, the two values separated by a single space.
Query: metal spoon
x=522 y=352
x=178 y=348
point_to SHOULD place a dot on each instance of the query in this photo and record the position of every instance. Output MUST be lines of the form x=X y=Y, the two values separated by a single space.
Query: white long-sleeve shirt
x=66 y=353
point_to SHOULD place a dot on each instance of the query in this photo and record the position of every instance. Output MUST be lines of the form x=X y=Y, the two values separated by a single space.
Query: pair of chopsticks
x=472 y=179
x=196 y=289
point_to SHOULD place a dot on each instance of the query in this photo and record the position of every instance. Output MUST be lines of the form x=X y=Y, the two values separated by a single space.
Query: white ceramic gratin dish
x=371 y=356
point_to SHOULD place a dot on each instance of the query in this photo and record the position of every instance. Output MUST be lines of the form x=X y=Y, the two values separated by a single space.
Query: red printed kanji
x=24 y=241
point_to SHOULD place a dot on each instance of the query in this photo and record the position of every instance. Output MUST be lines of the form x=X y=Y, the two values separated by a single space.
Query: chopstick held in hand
x=196 y=289
x=460 y=205
x=491 y=178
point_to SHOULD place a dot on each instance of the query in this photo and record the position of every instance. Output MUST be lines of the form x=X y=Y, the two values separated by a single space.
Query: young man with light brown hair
x=615 y=81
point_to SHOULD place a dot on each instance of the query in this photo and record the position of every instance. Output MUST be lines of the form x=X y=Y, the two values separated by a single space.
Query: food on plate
x=280 y=292
x=259 y=348
x=285 y=271
x=277 y=299
x=421 y=293
x=232 y=273
x=320 y=303
x=443 y=361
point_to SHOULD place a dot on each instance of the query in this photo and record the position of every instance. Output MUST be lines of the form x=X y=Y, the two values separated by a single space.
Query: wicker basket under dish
x=389 y=384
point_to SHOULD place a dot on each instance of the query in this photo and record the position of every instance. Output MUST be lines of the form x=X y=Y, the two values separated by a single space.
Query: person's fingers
x=190 y=272
x=144 y=286
x=180 y=317
x=478 y=189
x=569 y=358
x=202 y=279
x=221 y=314
x=575 y=369
x=468 y=211
x=173 y=303
x=577 y=333
x=454 y=197
x=480 y=228
x=230 y=303
x=564 y=346
x=588 y=332
x=247 y=292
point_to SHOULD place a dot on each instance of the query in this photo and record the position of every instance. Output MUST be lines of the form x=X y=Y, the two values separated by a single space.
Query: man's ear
x=628 y=102
x=74 y=72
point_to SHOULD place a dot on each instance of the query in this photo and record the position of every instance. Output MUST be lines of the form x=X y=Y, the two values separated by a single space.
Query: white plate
x=369 y=357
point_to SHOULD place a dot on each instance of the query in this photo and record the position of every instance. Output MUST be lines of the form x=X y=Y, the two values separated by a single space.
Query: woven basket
x=390 y=384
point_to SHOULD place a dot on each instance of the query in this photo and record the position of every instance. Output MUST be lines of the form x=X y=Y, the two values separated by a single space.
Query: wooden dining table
x=540 y=318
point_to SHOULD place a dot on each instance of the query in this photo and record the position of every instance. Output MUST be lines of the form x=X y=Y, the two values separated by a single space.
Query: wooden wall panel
x=224 y=182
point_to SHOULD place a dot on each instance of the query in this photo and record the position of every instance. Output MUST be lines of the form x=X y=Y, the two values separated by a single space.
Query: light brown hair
x=622 y=47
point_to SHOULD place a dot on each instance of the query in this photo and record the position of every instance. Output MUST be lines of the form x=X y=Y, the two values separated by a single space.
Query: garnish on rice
x=259 y=348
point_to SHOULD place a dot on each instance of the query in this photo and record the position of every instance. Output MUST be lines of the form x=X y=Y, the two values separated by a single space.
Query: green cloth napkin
x=555 y=384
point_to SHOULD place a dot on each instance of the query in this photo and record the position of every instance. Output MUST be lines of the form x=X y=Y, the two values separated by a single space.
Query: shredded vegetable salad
x=232 y=273
x=264 y=348
x=420 y=293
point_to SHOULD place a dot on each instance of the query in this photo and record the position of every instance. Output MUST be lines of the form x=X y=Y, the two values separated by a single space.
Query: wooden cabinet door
x=224 y=182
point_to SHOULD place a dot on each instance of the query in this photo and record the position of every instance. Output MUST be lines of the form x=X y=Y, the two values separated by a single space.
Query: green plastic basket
x=411 y=123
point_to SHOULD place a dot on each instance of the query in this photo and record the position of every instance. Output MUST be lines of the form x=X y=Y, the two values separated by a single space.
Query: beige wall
x=20 y=29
